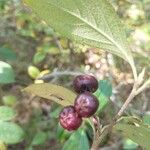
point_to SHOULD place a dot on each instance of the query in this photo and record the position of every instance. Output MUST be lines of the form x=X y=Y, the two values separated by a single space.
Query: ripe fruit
x=84 y=83
x=69 y=119
x=86 y=104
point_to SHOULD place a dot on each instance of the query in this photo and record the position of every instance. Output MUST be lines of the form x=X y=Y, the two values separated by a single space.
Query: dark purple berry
x=69 y=118
x=86 y=104
x=84 y=83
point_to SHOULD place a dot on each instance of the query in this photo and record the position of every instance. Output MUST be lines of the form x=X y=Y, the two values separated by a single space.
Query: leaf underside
x=91 y=22
x=52 y=92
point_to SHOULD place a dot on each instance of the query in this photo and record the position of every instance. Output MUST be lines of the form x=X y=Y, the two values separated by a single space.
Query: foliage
x=6 y=73
x=38 y=54
x=56 y=93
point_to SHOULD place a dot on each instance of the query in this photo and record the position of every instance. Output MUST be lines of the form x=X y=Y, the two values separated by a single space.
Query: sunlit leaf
x=129 y=145
x=93 y=22
x=52 y=92
x=33 y=71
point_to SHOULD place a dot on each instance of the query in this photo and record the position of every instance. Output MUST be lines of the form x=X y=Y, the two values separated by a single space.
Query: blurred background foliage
x=32 y=50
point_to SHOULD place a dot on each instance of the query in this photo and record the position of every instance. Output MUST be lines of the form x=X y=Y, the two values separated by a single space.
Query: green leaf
x=38 y=57
x=137 y=132
x=7 y=53
x=129 y=145
x=52 y=92
x=105 y=88
x=9 y=100
x=39 y=138
x=6 y=73
x=77 y=141
x=62 y=134
x=103 y=100
x=6 y=113
x=146 y=119
x=10 y=133
x=92 y=22
x=33 y=71
x=103 y=93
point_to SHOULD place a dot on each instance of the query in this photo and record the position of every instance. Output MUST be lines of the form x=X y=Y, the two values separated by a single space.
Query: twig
x=143 y=87
x=59 y=73
x=135 y=91
x=128 y=100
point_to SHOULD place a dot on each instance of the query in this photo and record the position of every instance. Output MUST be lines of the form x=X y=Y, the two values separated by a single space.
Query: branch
x=143 y=87
x=58 y=74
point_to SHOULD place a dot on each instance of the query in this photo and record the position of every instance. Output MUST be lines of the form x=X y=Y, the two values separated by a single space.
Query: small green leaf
x=33 y=71
x=103 y=93
x=38 y=57
x=62 y=134
x=6 y=113
x=6 y=73
x=103 y=100
x=105 y=88
x=137 y=132
x=52 y=92
x=39 y=138
x=10 y=133
x=77 y=141
x=129 y=145
x=7 y=53
x=146 y=119
x=9 y=100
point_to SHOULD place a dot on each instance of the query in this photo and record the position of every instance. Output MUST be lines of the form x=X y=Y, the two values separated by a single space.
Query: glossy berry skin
x=86 y=104
x=84 y=83
x=69 y=119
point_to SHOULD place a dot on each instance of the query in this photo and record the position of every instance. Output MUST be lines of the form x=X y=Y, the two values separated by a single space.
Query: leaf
x=2 y=146
x=103 y=100
x=77 y=141
x=93 y=22
x=62 y=134
x=33 y=72
x=39 y=57
x=6 y=73
x=52 y=92
x=39 y=138
x=103 y=93
x=6 y=113
x=7 y=53
x=139 y=133
x=105 y=88
x=9 y=100
x=10 y=133
x=129 y=145
x=146 y=119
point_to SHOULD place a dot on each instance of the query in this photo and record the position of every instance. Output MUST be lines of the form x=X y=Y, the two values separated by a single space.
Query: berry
x=84 y=83
x=86 y=104
x=69 y=118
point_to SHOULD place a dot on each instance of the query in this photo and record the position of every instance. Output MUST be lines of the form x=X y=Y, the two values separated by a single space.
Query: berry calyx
x=69 y=118
x=84 y=83
x=86 y=104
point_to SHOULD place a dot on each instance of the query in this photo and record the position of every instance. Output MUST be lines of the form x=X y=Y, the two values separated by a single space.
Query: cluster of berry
x=85 y=105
